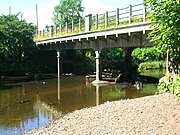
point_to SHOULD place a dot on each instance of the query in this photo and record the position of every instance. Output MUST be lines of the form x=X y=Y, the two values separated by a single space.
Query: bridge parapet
x=108 y=20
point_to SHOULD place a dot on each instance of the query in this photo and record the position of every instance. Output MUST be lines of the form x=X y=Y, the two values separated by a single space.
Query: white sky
x=46 y=7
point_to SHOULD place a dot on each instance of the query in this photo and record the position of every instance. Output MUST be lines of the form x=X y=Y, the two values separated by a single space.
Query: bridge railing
x=109 y=19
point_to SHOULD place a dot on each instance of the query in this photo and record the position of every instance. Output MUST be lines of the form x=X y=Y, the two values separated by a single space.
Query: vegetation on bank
x=18 y=52
x=149 y=58
x=170 y=85
x=152 y=65
x=16 y=43
x=165 y=18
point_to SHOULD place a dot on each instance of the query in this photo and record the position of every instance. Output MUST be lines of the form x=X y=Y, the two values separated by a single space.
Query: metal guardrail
x=109 y=19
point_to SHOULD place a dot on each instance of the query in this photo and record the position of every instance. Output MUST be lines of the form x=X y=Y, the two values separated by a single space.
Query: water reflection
x=97 y=95
x=46 y=109
x=29 y=105
x=59 y=88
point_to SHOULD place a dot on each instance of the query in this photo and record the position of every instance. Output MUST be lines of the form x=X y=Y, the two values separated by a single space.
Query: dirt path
x=152 y=115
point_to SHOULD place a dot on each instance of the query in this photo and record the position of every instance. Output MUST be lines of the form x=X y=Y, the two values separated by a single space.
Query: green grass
x=152 y=65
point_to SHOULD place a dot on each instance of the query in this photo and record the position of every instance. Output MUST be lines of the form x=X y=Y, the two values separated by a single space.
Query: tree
x=66 y=11
x=16 y=42
x=165 y=18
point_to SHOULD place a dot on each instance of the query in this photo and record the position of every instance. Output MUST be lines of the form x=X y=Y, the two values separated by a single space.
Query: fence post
x=72 y=29
x=130 y=13
x=60 y=28
x=106 y=19
x=88 y=20
x=79 y=25
x=96 y=22
x=43 y=33
x=51 y=30
x=117 y=17
x=66 y=27
x=144 y=13
x=47 y=31
x=56 y=28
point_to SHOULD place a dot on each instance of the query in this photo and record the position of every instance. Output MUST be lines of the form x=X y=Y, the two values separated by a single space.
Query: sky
x=46 y=7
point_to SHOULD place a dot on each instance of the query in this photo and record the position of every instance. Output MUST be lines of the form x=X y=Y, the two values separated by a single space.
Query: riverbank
x=159 y=114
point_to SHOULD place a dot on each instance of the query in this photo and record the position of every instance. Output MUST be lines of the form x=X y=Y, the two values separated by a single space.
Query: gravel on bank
x=152 y=115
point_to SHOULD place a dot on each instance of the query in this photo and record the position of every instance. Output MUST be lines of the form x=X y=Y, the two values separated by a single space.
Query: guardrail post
x=88 y=20
x=47 y=31
x=106 y=19
x=117 y=17
x=66 y=27
x=56 y=28
x=130 y=13
x=51 y=31
x=96 y=22
x=60 y=28
x=144 y=13
x=43 y=32
x=72 y=29
x=79 y=25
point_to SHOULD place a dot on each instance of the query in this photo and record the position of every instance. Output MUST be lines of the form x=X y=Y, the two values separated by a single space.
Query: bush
x=170 y=85
x=147 y=54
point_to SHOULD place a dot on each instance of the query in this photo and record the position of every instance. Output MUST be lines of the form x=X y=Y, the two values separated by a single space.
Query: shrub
x=170 y=85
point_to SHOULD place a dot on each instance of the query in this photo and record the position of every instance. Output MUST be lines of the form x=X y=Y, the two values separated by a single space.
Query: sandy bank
x=152 y=115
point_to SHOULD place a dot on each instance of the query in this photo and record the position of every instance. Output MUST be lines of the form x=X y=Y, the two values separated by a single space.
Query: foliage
x=113 y=55
x=66 y=11
x=170 y=85
x=152 y=65
x=16 y=41
x=165 y=18
x=141 y=55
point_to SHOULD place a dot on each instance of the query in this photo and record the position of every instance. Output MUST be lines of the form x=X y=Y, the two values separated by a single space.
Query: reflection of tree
x=112 y=92
x=46 y=109
x=13 y=113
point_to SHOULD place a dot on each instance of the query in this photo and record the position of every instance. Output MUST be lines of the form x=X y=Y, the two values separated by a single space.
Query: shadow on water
x=5 y=87
x=28 y=105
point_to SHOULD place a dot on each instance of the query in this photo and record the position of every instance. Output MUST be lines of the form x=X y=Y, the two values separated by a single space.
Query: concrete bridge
x=125 y=28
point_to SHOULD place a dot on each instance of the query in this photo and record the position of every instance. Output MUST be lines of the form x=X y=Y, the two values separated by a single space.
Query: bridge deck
x=132 y=35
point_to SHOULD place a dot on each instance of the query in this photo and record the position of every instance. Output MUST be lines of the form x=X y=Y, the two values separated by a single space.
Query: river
x=32 y=104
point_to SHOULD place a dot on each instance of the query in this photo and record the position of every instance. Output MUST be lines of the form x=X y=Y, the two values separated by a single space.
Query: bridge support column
x=128 y=57
x=59 y=63
x=98 y=67
x=128 y=64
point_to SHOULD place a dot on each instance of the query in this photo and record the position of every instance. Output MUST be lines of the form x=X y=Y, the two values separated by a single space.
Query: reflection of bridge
x=99 y=32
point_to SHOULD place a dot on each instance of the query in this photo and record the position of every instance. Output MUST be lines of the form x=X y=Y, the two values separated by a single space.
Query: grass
x=152 y=65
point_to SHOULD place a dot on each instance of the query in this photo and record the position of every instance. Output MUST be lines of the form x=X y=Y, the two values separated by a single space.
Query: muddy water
x=28 y=105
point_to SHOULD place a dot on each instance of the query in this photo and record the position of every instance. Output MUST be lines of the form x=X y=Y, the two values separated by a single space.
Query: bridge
x=125 y=28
